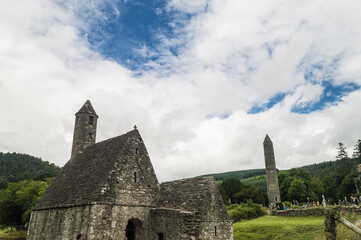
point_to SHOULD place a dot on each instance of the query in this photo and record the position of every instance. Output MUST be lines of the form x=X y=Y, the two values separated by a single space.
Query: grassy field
x=273 y=227
x=266 y=227
x=295 y=228
x=6 y=234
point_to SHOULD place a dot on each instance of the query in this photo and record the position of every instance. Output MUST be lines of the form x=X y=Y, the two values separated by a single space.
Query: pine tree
x=357 y=150
x=342 y=154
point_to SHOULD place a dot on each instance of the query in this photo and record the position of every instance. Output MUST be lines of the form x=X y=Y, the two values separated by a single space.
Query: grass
x=7 y=234
x=345 y=233
x=275 y=227
x=295 y=228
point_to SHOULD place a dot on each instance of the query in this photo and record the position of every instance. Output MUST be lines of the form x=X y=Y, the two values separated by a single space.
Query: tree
x=347 y=186
x=247 y=193
x=297 y=190
x=330 y=187
x=342 y=154
x=301 y=173
x=285 y=180
x=316 y=189
x=357 y=150
x=17 y=200
x=230 y=187
x=17 y=167
x=3 y=183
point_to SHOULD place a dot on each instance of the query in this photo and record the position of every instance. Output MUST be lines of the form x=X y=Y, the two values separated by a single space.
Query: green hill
x=15 y=167
x=329 y=178
x=241 y=174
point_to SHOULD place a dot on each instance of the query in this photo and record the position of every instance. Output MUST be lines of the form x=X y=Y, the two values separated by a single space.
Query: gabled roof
x=85 y=179
x=194 y=195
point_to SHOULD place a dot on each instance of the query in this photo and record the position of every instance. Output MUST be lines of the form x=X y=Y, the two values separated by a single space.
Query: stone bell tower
x=85 y=128
x=273 y=190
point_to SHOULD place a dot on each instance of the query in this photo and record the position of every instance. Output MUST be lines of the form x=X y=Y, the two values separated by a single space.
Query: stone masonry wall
x=182 y=225
x=95 y=222
x=172 y=224
x=311 y=212
x=216 y=230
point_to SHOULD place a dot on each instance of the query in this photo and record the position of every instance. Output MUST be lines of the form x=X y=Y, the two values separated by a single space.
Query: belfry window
x=135 y=176
x=91 y=120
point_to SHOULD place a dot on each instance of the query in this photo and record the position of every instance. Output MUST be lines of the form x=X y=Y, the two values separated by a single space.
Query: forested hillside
x=23 y=179
x=242 y=174
x=334 y=179
x=15 y=167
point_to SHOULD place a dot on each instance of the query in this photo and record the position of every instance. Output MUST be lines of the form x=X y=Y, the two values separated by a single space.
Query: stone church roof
x=195 y=195
x=87 y=178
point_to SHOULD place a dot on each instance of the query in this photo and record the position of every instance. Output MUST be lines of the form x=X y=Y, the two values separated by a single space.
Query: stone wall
x=216 y=230
x=95 y=222
x=312 y=211
x=182 y=225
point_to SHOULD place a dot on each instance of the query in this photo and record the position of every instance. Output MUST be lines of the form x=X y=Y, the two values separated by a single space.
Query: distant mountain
x=15 y=167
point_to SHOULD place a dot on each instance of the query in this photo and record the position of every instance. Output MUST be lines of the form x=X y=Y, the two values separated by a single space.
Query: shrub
x=287 y=203
x=245 y=211
x=279 y=206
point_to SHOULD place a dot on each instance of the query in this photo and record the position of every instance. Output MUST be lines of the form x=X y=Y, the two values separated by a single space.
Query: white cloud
x=188 y=6
x=236 y=54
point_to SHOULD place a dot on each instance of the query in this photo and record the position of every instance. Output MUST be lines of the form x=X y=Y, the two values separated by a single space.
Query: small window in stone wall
x=136 y=150
x=215 y=230
x=90 y=135
x=91 y=120
x=160 y=236
x=135 y=176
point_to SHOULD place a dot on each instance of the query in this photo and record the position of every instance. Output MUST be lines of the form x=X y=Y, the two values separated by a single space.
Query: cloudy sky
x=204 y=80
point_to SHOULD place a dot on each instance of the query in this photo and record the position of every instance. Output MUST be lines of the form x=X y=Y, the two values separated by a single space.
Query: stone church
x=109 y=190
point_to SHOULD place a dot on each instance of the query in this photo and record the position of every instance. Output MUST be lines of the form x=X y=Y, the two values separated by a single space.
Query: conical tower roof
x=267 y=140
x=87 y=108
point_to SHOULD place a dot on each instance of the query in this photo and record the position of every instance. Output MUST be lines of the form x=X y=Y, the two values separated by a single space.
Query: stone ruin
x=109 y=190
x=273 y=190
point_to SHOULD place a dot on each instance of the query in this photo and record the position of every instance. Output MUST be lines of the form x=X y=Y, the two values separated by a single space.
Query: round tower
x=271 y=172
x=85 y=128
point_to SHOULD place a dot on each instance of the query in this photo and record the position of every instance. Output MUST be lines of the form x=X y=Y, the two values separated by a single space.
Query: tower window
x=135 y=176
x=90 y=135
x=160 y=236
x=91 y=120
x=215 y=230
x=136 y=150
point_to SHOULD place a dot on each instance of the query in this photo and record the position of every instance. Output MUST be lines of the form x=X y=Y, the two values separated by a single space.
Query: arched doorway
x=133 y=230
x=130 y=231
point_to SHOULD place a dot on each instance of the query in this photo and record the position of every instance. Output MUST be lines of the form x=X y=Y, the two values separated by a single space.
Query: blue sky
x=130 y=27
x=132 y=34
x=204 y=80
